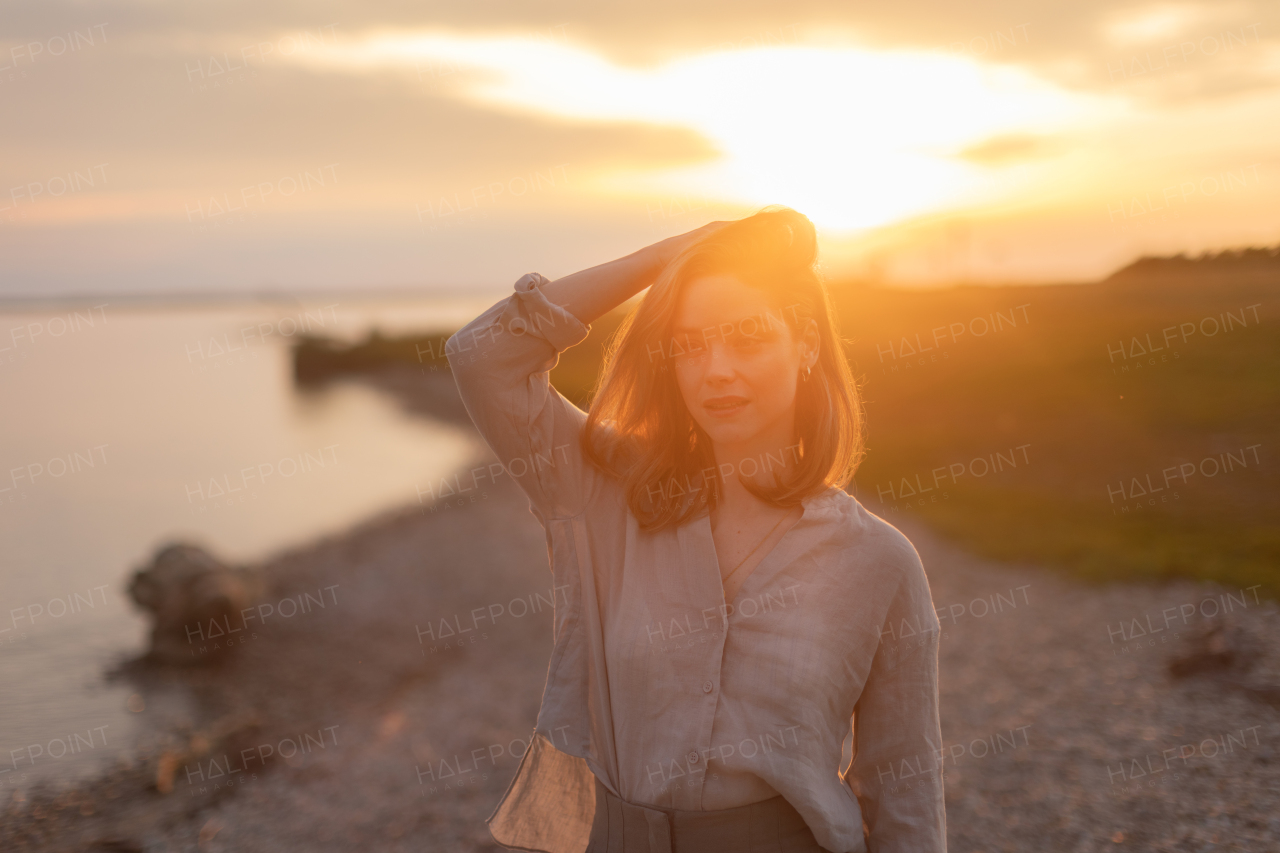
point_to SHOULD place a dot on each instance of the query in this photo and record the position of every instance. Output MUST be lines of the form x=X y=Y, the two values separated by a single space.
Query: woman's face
x=741 y=365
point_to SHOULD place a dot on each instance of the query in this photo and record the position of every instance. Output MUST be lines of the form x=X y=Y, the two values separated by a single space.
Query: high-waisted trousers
x=770 y=826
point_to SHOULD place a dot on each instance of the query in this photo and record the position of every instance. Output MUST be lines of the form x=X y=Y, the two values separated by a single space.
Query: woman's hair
x=638 y=428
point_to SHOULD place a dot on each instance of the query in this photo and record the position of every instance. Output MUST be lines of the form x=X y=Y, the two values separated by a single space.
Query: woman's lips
x=725 y=408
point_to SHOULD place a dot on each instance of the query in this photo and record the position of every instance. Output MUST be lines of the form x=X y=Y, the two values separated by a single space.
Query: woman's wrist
x=588 y=294
x=648 y=262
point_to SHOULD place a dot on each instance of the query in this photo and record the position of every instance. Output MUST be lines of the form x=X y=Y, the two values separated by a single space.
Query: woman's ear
x=811 y=341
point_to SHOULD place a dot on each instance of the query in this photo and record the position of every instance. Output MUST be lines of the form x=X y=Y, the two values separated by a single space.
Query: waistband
x=769 y=826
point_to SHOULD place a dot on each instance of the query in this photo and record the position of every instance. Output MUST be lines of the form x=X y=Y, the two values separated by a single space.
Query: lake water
x=124 y=428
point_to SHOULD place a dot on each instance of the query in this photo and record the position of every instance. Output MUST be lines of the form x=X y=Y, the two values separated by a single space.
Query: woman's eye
x=749 y=343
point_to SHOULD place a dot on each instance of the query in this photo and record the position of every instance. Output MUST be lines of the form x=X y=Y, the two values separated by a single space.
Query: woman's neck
x=734 y=500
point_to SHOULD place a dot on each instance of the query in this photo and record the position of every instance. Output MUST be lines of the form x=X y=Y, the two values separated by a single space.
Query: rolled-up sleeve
x=501 y=362
x=896 y=772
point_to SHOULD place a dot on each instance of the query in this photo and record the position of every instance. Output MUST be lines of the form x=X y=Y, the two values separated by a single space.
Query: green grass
x=1090 y=424
x=1025 y=525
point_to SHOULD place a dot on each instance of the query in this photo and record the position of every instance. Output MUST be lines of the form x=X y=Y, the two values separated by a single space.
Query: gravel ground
x=1064 y=729
x=1117 y=753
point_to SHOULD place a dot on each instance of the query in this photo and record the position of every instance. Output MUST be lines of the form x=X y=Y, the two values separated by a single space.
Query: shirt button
x=707 y=687
x=693 y=758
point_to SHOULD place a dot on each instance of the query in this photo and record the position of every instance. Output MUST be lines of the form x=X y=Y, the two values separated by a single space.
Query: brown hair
x=638 y=428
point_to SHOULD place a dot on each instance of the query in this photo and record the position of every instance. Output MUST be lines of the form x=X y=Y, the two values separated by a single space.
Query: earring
x=805 y=377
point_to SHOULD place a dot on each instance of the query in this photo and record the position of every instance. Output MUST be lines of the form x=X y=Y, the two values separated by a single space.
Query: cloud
x=852 y=135
x=1012 y=148
x=1161 y=23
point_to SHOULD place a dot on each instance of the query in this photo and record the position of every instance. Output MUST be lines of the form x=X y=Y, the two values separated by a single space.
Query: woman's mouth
x=724 y=407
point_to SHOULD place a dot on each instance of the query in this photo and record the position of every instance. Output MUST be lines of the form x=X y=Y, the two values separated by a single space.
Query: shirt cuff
x=543 y=318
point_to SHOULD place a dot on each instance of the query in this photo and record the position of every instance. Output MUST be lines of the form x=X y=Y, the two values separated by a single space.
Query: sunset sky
x=236 y=147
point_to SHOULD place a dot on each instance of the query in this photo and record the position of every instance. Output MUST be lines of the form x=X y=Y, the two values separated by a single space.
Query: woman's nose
x=719 y=360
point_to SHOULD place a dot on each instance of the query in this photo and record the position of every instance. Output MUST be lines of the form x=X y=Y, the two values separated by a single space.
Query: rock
x=1233 y=655
x=1213 y=647
x=193 y=598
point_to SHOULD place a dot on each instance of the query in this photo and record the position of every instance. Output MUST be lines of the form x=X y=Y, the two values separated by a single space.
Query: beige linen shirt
x=656 y=685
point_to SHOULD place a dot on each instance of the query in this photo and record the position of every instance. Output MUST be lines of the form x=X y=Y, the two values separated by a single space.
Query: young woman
x=730 y=613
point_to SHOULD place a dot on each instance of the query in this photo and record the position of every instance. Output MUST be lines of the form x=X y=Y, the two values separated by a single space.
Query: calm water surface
x=125 y=433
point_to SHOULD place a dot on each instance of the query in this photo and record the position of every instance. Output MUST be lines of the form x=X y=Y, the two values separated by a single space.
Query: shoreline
x=352 y=676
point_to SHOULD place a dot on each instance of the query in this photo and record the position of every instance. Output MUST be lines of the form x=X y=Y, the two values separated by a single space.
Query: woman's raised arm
x=593 y=292
x=501 y=361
